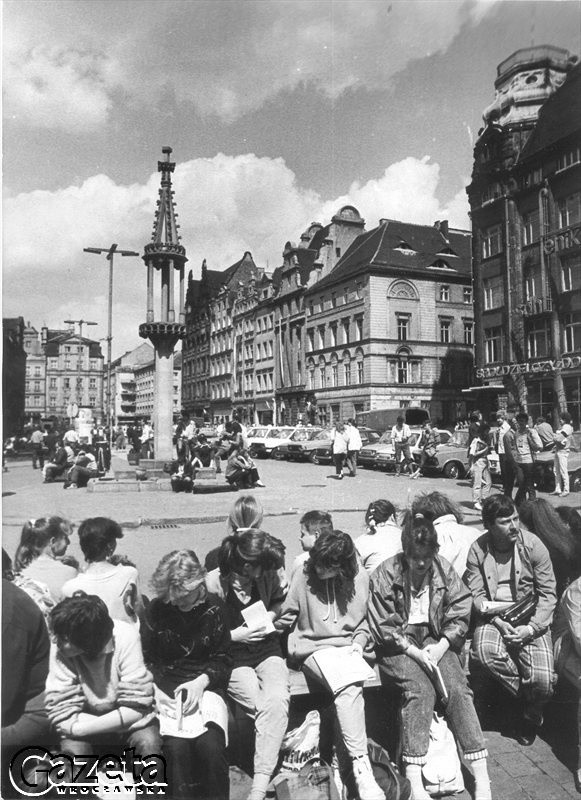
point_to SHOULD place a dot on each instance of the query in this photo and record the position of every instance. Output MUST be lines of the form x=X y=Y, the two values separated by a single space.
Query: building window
x=52 y=401
x=538 y=339
x=333 y=332
x=358 y=329
x=345 y=325
x=530 y=286
x=346 y=295
x=52 y=383
x=67 y=363
x=67 y=383
x=347 y=369
x=572 y=328
x=531 y=230
x=37 y=386
x=67 y=348
x=403 y=327
x=334 y=374
x=492 y=292
x=54 y=362
x=359 y=290
x=321 y=337
x=92 y=401
x=468 y=332
x=445 y=327
x=37 y=372
x=311 y=376
x=92 y=383
x=311 y=309
x=321 y=303
x=334 y=299
x=567 y=160
x=566 y=281
x=492 y=345
x=570 y=210
x=322 y=376
x=445 y=294
x=360 y=371
x=491 y=241
x=491 y=192
x=404 y=370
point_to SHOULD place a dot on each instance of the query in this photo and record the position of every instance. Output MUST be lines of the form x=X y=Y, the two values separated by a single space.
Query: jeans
x=264 y=693
x=339 y=459
x=37 y=456
x=351 y=461
x=525 y=481
x=200 y=760
x=145 y=741
x=507 y=473
x=402 y=450
x=349 y=710
x=560 y=468
x=482 y=480
x=419 y=698
x=81 y=476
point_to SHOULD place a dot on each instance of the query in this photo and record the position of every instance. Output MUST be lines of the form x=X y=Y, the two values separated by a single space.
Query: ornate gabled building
x=525 y=199
x=391 y=324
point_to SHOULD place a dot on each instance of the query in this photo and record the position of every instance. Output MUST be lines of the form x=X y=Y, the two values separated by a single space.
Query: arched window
x=322 y=372
x=404 y=368
x=310 y=374
x=334 y=370
x=347 y=368
x=359 y=365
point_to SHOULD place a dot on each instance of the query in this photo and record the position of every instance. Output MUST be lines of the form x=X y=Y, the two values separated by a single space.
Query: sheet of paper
x=439 y=682
x=341 y=667
x=495 y=605
x=256 y=616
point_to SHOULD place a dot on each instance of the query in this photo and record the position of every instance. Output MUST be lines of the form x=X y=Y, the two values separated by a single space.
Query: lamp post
x=110 y=255
x=80 y=323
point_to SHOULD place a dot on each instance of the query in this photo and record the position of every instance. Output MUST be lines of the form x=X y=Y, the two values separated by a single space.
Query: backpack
x=442 y=771
x=386 y=774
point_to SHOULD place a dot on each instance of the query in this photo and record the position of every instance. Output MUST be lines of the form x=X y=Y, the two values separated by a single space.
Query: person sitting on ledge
x=182 y=475
x=241 y=471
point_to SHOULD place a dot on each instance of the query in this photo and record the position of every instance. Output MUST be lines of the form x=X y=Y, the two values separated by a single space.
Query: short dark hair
x=400 y=419
x=96 y=535
x=566 y=417
x=522 y=415
x=84 y=620
x=318 y=522
x=250 y=547
x=497 y=505
x=379 y=511
x=435 y=505
x=418 y=533
x=334 y=550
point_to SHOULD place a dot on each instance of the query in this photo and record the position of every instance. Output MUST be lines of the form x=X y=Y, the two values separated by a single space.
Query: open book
x=256 y=616
x=341 y=667
x=438 y=681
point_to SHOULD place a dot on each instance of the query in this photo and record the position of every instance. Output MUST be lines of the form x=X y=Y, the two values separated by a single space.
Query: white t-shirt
x=375 y=548
x=398 y=434
x=116 y=585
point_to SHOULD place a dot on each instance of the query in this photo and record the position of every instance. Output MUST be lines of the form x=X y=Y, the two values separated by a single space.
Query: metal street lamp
x=110 y=255
x=80 y=323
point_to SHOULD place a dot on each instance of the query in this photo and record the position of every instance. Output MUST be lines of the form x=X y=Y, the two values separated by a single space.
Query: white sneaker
x=367 y=787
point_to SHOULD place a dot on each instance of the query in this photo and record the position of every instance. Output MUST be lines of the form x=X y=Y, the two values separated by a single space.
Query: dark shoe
x=527 y=733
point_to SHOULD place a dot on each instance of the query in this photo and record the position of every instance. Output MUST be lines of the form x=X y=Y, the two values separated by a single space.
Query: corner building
x=525 y=199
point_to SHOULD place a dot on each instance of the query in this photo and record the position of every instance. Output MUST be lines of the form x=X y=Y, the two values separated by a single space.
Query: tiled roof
x=558 y=118
x=402 y=245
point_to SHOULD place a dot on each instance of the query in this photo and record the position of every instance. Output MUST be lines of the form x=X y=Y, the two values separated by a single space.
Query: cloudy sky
x=278 y=111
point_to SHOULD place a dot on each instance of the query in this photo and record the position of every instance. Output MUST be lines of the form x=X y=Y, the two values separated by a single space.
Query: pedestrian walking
x=505 y=463
x=561 y=449
x=429 y=442
x=521 y=446
x=37 y=442
x=400 y=441
x=354 y=445
x=339 y=439
x=482 y=480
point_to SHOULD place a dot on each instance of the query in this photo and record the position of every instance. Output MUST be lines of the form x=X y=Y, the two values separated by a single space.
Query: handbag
x=314 y=781
x=442 y=772
x=520 y=613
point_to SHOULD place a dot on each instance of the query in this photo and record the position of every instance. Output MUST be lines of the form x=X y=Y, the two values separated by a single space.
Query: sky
x=278 y=112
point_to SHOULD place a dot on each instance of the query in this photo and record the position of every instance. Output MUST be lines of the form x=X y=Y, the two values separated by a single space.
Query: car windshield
x=279 y=433
x=460 y=439
x=257 y=433
x=303 y=435
x=323 y=435
x=385 y=438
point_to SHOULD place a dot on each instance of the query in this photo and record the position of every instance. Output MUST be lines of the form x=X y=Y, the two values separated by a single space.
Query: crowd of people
x=156 y=669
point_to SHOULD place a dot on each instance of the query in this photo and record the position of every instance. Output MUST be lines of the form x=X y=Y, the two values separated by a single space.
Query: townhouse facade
x=525 y=199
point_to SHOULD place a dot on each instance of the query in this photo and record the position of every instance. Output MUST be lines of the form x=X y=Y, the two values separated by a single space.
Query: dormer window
x=405 y=248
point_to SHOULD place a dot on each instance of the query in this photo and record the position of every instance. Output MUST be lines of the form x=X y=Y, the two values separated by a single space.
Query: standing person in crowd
x=505 y=463
x=61 y=462
x=241 y=470
x=313 y=524
x=51 y=441
x=326 y=607
x=419 y=613
x=561 y=449
x=134 y=435
x=186 y=640
x=84 y=468
x=71 y=437
x=474 y=421
x=25 y=657
x=520 y=447
x=248 y=573
x=481 y=478
x=98 y=692
x=39 y=557
x=429 y=441
x=542 y=519
x=454 y=538
x=567 y=651
x=504 y=564
x=339 y=438
x=354 y=445
x=400 y=441
x=37 y=442
x=116 y=584
x=382 y=538
x=119 y=438
x=546 y=433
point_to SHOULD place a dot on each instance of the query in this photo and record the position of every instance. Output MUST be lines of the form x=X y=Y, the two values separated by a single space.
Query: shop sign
x=529 y=367
x=562 y=241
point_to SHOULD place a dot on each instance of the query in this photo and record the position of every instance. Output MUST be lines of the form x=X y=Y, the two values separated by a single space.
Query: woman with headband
x=39 y=557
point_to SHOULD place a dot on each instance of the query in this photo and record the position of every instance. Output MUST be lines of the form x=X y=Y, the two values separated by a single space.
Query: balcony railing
x=536 y=305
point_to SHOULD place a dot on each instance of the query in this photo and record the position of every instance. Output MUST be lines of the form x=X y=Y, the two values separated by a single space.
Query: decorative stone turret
x=164 y=254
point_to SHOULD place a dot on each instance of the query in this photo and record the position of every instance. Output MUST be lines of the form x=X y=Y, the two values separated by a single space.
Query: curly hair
x=377 y=512
x=245 y=513
x=418 y=534
x=436 y=504
x=84 y=620
x=96 y=535
x=317 y=522
x=250 y=547
x=177 y=571
x=333 y=551
x=36 y=535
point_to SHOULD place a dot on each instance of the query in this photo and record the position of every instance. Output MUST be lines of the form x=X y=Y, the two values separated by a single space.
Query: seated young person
x=503 y=565
x=313 y=524
x=241 y=470
x=182 y=475
x=99 y=695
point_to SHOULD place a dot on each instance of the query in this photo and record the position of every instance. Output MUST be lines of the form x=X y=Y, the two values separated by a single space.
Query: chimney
x=442 y=226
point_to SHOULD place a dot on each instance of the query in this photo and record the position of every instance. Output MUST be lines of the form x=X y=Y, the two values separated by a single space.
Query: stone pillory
x=164 y=254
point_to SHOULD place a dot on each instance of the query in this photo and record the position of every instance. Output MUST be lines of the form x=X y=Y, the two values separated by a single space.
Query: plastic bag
x=301 y=744
x=314 y=781
x=442 y=772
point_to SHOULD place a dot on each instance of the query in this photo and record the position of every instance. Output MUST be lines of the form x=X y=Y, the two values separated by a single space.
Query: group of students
x=155 y=674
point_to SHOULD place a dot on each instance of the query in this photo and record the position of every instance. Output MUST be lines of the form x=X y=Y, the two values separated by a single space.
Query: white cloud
x=226 y=205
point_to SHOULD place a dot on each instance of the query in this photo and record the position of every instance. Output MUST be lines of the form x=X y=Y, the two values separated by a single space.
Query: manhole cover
x=163 y=525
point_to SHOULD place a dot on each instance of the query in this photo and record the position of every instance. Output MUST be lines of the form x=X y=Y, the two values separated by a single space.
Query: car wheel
x=453 y=470
x=314 y=458
x=575 y=481
x=252 y=452
x=275 y=454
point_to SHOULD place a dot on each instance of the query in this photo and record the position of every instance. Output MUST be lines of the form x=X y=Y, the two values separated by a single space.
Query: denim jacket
x=389 y=605
x=532 y=569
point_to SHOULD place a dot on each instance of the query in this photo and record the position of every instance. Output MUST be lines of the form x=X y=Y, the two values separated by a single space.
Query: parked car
x=545 y=476
x=323 y=454
x=263 y=448
x=300 y=445
x=385 y=456
x=451 y=459
x=257 y=434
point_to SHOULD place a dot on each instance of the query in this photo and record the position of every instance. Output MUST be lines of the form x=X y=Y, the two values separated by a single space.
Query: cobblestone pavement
x=155 y=523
